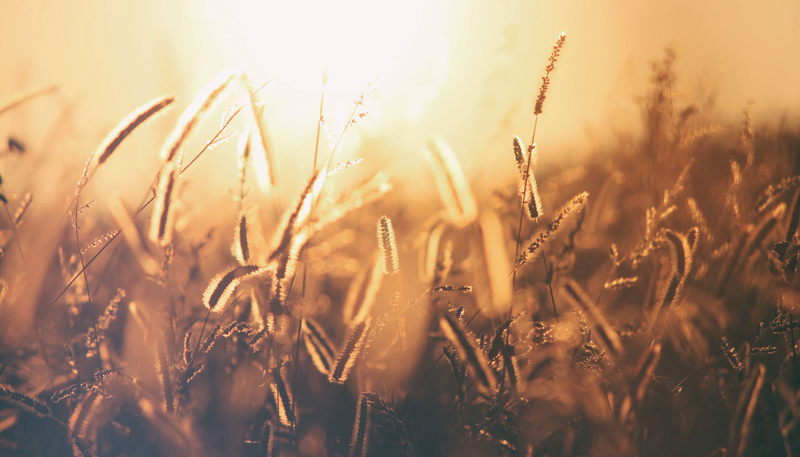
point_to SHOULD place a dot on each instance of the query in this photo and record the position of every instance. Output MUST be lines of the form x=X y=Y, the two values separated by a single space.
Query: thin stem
x=83 y=272
x=213 y=140
x=451 y=407
x=15 y=233
x=55 y=300
x=519 y=227
x=200 y=337
x=8 y=105
x=319 y=125
x=549 y=278
x=314 y=173
x=86 y=282
x=794 y=355
x=522 y=204
x=603 y=289
x=441 y=356
x=222 y=129
x=341 y=135
x=305 y=251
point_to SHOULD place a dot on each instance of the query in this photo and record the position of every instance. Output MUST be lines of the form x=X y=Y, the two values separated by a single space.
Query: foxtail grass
x=551 y=65
x=220 y=290
x=319 y=346
x=351 y=351
x=680 y=263
x=387 y=243
x=359 y=442
x=128 y=125
x=284 y=400
x=536 y=243
x=162 y=222
x=197 y=109
x=469 y=351
x=453 y=187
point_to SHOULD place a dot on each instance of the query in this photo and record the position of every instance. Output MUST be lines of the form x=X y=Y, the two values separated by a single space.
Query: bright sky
x=467 y=70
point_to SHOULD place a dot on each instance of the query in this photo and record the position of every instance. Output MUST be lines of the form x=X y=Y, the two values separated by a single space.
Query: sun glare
x=400 y=48
x=354 y=40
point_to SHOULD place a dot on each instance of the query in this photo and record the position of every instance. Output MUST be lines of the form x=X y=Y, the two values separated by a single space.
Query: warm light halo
x=354 y=40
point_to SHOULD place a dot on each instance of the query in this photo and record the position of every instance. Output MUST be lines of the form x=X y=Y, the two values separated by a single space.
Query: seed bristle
x=351 y=351
x=220 y=290
x=128 y=125
x=388 y=246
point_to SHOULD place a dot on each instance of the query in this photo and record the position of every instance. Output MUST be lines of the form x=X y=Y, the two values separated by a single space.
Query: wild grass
x=661 y=320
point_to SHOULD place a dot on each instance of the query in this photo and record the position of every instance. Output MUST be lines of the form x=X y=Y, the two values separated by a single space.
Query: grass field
x=642 y=303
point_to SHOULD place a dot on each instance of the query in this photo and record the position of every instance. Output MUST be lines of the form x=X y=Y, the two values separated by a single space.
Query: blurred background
x=466 y=70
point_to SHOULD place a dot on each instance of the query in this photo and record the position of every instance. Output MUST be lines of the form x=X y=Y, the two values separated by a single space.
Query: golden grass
x=220 y=334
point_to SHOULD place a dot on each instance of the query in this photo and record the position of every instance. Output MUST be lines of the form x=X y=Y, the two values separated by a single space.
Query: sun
x=396 y=51
x=352 y=40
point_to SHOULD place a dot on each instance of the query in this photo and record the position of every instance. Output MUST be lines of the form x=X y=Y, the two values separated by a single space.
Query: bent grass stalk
x=191 y=116
x=129 y=124
x=22 y=97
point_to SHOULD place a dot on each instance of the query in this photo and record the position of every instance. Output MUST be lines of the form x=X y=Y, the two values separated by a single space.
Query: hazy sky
x=467 y=70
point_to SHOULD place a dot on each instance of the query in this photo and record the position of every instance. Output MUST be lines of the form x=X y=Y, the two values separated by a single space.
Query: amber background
x=471 y=75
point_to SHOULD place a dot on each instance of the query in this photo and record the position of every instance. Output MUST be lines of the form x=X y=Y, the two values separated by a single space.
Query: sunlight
x=355 y=40
x=399 y=47
x=325 y=228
